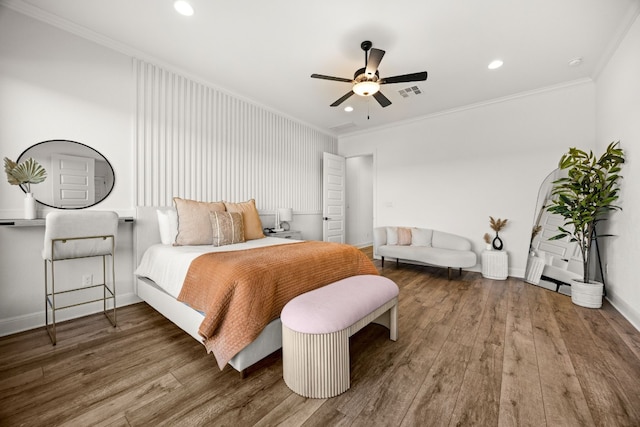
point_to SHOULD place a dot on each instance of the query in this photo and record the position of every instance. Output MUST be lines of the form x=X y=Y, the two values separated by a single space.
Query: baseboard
x=26 y=322
x=628 y=312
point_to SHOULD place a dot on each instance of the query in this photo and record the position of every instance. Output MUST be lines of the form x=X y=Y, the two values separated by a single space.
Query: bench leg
x=389 y=319
x=316 y=365
x=393 y=323
x=382 y=261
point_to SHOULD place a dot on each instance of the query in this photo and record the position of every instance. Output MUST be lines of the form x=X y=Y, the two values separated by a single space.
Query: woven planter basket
x=587 y=294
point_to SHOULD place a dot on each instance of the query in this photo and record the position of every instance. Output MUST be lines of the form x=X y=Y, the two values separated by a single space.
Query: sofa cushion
x=404 y=236
x=392 y=236
x=430 y=255
x=421 y=237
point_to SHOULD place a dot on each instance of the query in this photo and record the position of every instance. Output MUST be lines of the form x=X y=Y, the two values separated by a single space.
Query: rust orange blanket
x=240 y=292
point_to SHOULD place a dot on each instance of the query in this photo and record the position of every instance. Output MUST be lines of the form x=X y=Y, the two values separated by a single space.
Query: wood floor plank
x=521 y=396
x=471 y=351
x=564 y=401
x=478 y=402
x=605 y=396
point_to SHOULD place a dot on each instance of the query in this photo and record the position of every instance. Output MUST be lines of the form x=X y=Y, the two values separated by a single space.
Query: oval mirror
x=77 y=175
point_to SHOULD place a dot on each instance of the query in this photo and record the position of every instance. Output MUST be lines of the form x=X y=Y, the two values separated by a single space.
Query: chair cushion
x=73 y=224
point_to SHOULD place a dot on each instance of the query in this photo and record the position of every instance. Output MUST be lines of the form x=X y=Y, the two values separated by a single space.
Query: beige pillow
x=227 y=228
x=250 y=217
x=194 y=225
x=404 y=236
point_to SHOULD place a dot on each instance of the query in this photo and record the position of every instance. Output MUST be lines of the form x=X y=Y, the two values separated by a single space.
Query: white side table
x=495 y=265
x=535 y=266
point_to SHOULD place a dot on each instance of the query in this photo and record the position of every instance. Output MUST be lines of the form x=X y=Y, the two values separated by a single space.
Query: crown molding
x=473 y=106
x=88 y=34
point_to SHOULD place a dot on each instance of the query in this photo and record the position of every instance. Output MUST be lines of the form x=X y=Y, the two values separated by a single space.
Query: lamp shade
x=285 y=214
x=366 y=88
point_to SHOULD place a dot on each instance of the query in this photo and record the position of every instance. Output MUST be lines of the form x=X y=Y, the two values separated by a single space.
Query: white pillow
x=392 y=235
x=421 y=237
x=168 y=225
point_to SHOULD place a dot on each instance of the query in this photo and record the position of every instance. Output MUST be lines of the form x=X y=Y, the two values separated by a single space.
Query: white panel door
x=561 y=249
x=73 y=181
x=333 y=198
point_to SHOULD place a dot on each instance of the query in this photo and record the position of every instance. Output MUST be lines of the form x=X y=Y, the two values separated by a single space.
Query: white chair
x=71 y=235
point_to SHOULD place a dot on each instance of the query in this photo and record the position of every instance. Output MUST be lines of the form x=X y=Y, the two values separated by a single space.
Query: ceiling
x=265 y=51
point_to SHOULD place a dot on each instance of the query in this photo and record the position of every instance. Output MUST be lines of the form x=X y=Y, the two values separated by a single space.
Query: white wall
x=54 y=85
x=618 y=118
x=359 y=201
x=452 y=171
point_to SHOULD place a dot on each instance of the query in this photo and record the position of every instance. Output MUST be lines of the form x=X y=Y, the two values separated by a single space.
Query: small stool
x=316 y=327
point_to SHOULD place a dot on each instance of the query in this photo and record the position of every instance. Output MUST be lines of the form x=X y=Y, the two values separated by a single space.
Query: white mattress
x=167 y=265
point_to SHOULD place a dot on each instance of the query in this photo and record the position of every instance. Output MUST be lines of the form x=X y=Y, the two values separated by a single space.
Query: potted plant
x=583 y=198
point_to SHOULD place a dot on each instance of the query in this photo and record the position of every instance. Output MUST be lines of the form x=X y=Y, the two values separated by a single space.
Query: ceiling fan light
x=366 y=88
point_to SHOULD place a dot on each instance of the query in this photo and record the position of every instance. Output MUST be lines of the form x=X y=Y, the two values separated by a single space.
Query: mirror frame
x=98 y=155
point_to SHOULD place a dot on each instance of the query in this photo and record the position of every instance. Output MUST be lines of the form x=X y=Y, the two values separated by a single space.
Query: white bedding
x=167 y=265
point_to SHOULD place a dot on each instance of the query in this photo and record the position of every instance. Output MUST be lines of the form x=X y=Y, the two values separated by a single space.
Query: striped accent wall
x=200 y=143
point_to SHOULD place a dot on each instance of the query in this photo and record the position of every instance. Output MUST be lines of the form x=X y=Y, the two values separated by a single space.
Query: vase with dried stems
x=497 y=225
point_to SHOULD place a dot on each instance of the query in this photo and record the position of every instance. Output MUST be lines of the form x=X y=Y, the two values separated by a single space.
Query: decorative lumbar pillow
x=392 y=235
x=404 y=236
x=168 y=225
x=194 y=225
x=227 y=228
x=421 y=237
x=250 y=217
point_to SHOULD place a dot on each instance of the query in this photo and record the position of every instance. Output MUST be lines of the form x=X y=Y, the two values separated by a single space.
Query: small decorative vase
x=497 y=242
x=29 y=207
x=489 y=247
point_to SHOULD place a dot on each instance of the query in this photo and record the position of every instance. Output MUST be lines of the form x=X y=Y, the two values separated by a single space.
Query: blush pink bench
x=316 y=327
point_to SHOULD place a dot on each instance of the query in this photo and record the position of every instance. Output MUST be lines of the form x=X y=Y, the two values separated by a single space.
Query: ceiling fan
x=366 y=81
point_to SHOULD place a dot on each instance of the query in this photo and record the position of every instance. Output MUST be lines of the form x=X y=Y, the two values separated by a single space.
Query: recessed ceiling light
x=348 y=108
x=183 y=8
x=495 y=64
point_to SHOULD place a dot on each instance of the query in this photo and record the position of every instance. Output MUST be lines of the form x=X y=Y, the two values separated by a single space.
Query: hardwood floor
x=471 y=351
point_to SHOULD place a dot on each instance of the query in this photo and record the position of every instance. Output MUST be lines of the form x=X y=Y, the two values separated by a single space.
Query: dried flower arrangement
x=487 y=238
x=497 y=224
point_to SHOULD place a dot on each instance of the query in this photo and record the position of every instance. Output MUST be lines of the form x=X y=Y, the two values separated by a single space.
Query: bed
x=161 y=288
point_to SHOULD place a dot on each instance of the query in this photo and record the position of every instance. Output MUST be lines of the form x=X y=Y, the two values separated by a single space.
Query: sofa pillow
x=404 y=236
x=226 y=228
x=250 y=217
x=168 y=225
x=392 y=236
x=421 y=237
x=194 y=225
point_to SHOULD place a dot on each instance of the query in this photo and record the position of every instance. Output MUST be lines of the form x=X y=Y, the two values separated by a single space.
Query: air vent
x=410 y=90
x=343 y=126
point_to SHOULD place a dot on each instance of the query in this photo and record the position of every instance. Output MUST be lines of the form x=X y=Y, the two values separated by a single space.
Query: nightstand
x=291 y=234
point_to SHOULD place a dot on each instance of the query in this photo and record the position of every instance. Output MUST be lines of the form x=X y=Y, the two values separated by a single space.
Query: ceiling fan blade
x=375 y=56
x=337 y=79
x=382 y=100
x=341 y=100
x=413 y=77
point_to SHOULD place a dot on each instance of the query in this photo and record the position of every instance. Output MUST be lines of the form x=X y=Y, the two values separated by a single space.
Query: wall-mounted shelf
x=39 y=222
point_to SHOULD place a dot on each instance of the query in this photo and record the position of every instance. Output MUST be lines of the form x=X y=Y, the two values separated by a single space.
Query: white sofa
x=426 y=246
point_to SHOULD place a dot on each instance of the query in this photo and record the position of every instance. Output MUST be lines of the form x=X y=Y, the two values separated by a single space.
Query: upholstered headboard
x=147 y=232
